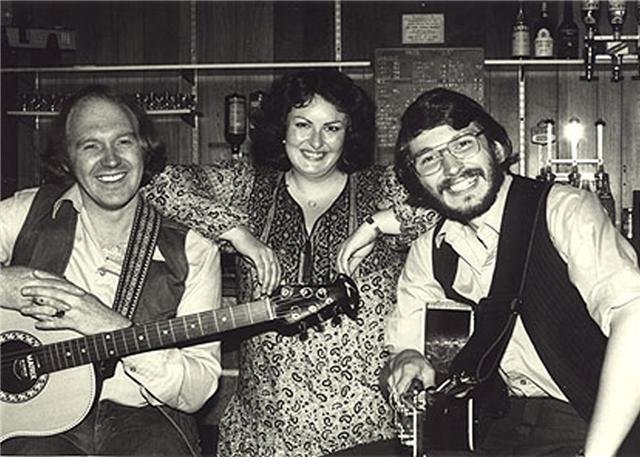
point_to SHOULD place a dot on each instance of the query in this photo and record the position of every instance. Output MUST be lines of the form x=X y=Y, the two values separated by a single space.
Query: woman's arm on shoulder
x=413 y=220
x=210 y=199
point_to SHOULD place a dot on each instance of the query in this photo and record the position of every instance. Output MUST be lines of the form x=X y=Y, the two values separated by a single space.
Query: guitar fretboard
x=154 y=335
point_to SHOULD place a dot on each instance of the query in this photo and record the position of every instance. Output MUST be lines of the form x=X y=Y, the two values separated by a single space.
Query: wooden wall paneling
x=609 y=107
x=234 y=32
x=9 y=151
x=630 y=140
x=303 y=31
x=501 y=100
x=541 y=90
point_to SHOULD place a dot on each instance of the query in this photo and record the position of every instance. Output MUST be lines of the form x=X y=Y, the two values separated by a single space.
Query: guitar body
x=32 y=405
x=448 y=327
x=446 y=426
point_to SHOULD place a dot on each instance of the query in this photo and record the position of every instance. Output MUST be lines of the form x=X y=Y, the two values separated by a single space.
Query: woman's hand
x=262 y=256
x=361 y=242
x=354 y=249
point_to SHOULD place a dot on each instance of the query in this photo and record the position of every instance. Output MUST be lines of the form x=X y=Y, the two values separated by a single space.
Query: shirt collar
x=490 y=220
x=72 y=195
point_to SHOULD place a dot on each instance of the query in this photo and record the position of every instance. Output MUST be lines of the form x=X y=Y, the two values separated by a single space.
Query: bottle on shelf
x=575 y=179
x=235 y=121
x=255 y=112
x=626 y=223
x=603 y=191
x=520 y=39
x=567 y=36
x=543 y=35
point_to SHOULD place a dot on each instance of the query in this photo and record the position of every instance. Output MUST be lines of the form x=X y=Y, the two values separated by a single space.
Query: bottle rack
x=189 y=72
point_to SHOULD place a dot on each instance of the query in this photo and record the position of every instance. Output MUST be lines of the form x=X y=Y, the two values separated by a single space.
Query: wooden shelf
x=169 y=112
x=601 y=59
x=183 y=67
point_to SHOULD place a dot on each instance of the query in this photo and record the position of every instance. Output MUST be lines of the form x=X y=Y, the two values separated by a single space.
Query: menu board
x=401 y=74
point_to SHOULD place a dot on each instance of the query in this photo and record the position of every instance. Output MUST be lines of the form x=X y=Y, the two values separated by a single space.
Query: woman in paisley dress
x=311 y=185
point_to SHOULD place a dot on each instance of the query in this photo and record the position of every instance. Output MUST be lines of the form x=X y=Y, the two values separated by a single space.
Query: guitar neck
x=154 y=335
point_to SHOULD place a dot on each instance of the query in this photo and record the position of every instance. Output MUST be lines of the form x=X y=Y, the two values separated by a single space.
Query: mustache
x=468 y=173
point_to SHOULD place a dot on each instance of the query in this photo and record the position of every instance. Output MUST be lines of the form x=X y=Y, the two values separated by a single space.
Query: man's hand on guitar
x=58 y=304
x=407 y=366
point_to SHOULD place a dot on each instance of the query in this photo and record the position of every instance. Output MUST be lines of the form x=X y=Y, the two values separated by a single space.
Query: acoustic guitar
x=434 y=419
x=48 y=384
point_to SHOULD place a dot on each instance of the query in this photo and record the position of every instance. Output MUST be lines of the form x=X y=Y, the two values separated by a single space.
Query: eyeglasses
x=429 y=161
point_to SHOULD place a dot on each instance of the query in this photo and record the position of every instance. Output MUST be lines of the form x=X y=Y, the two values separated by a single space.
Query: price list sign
x=401 y=74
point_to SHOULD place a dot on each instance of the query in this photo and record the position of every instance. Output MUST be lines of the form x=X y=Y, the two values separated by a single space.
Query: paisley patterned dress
x=301 y=396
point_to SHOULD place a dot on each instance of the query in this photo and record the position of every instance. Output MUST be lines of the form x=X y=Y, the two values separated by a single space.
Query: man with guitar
x=553 y=364
x=89 y=255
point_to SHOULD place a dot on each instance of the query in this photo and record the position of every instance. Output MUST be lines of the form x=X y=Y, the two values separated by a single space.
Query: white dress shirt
x=601 y=265
x=181 y=378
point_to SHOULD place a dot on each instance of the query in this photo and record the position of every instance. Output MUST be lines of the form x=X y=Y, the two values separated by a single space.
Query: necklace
x=321 y=195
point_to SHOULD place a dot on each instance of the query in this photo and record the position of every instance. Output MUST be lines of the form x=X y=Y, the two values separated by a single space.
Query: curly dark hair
x=437 y=107
x=297 y=90
x=56 y=164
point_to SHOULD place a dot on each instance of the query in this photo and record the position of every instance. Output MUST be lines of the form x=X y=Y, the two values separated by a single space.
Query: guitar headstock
x=294 y=303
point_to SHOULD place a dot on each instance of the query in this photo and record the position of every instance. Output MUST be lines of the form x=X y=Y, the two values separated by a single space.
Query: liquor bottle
x=575 y=179
x=235 y=120
x=617 y=15
x=520 y=40
x=626 y=223
x=255 y=113
x=543 y=35
x=568 y=34
x=603 y=191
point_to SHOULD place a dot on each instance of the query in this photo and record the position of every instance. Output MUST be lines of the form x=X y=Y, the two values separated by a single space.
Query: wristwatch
x=369 y=220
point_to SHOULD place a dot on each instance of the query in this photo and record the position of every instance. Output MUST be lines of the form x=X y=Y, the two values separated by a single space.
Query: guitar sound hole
x=19 y=380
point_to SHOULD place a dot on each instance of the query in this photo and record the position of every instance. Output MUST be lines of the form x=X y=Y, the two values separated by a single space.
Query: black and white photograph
x=320 y=228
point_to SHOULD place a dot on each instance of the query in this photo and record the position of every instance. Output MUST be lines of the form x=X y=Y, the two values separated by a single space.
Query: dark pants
x=112 y=429
x=536 y=426
x=532 y=427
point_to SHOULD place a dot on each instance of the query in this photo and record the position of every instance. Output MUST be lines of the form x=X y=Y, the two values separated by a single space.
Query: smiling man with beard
x=552 y=283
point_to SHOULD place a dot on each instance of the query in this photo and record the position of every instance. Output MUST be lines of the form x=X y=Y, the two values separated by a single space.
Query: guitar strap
x=137 y=259
x=495 y=315
x=138 y=256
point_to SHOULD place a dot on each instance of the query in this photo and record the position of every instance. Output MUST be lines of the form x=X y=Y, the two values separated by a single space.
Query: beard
x=493 y=175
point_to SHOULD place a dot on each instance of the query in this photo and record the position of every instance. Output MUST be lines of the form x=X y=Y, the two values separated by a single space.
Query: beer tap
x=638 y=37
x=617 y=15
x=590 y=16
